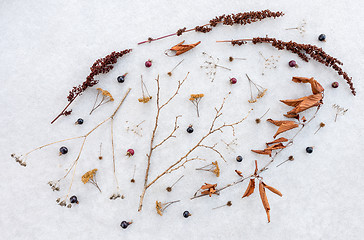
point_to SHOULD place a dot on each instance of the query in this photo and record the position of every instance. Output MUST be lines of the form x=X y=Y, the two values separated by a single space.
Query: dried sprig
x=231 y=19
x=304 y=51
x=137 y=129
x=146 y=96
x=161 y=207
x=233 y=58
x=102 y=65
x=90 y=177
x=300 y=28
x=195 y=99
x=169 y=189
x=211 y=65
x=230 y=144
x=290 y=158
x=105 y=98
x=269 y=63
x=339 y=110
x=260 y=90
x=257 y=120
x=229 y=204
x=321 y=126
x=212 y=167
x=170 y=73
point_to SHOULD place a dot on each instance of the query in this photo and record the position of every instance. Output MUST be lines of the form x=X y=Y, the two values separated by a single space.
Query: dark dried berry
x=335 y=85
x=309 y=149
x=121 y=79
x=148 y=63
x=239 y=158
x=233 y=80
x=124 y=224
x=63 y=150
x=190 y=129
x=322 y=37
x=73 y=199
x=79 y=121
x=186 y=214
x=292 y=63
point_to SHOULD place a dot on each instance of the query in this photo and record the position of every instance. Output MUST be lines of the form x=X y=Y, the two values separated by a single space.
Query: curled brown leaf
x=180 y=48
x=250 y=189
x=263 y=197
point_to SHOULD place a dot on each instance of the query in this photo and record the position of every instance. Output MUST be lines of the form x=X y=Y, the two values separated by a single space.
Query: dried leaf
x=292 y=116
x=276 y=146
x=180 y=48
x=315 y=86
x=281 y=139
x=264 y=152
x=306 y=103
x=250 y=188
x=272 y=189
x=239 y=173
x=264 y=198
x=277 y=123
x=285 y=127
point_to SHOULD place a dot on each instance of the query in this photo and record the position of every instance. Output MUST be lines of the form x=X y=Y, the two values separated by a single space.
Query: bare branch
x=171 y=134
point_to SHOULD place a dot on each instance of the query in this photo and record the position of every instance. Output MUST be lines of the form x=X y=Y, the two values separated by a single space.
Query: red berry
x=130 y=152
x=233 y=80
x=292 y=63
x=335 y=84
x=148 y=63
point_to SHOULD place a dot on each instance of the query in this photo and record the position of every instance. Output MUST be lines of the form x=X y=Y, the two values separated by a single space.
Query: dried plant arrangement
x=260 y=90
x=55 y=185
x=231 y=19
x=339 y=110
x=102 y=65
x=299 y=105
x=304 y=51
x=186 y=158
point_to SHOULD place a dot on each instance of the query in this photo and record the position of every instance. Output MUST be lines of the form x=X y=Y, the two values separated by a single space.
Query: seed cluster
x=239 y=18
x=102 y=65
x=304 y=51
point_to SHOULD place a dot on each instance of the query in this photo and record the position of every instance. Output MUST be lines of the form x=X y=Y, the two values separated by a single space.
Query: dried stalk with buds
x=22 y=158
x=200 y=144
x=239 y=18
x=102 y=65
x=304 y=51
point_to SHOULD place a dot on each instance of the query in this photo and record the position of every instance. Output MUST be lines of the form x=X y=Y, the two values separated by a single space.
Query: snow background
x=47 y=48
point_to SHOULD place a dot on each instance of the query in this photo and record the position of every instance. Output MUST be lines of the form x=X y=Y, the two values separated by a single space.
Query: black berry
x=190 y=129
x=186 y=214
x=309 y=149
x=322 y=37
x=335 y=85
x=63 y=150
x=124 y=224
x=239 y=158
x=79 y=121
x=121 y=79
x=73 y=199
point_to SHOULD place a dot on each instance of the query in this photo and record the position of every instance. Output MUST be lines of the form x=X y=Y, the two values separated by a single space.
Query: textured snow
x=47 y=48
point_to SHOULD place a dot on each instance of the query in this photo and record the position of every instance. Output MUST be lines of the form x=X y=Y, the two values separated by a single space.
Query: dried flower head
x=90 y=177
x=339 y=110
x=146 y=96
x=300 y=28
x=116 y=196
x=260 y=90
x=195 y=99
x=105 y=98
x=54 y=185
x=213 y=167
x=160 y=207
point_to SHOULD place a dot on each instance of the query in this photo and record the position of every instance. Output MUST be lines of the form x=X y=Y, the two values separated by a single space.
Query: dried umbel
x=102 y=65
x=105 y=98
x=304 y=51
x=231 y=19
x=195 y=99
x=213 y=167
x=90 y=177
x=160 y=207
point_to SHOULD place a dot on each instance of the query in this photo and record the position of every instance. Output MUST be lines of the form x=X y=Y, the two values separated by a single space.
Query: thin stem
x=177 y=181
x=62 y=112
x=177 y=65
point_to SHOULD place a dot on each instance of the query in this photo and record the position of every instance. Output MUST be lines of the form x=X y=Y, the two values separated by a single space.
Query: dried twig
x=184 y=159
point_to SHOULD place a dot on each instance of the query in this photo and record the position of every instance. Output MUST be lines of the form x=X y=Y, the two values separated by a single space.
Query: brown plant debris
x=209 y=189
x=180 y=48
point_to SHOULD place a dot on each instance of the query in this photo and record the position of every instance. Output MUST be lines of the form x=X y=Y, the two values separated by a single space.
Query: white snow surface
x=47 y=48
